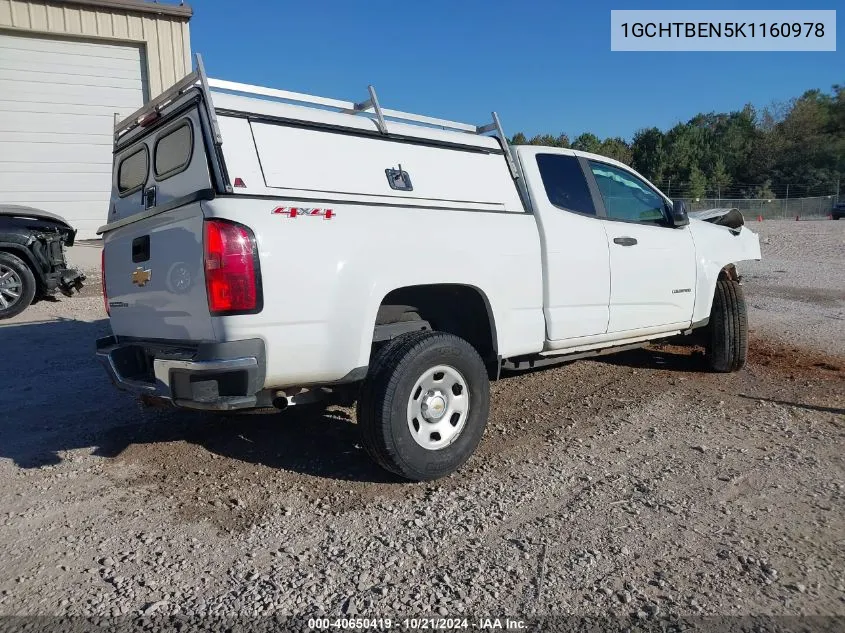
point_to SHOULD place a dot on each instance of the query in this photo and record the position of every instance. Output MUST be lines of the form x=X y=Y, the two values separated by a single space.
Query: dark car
x=838 y=210
x=32 y=258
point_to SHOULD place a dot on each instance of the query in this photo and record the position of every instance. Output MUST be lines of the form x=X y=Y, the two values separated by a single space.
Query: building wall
x=166 y=38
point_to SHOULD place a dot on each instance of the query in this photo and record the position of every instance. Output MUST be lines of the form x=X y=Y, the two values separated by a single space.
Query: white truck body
x=337 y=233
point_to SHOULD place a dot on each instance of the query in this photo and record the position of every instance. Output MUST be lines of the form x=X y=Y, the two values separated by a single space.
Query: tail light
x=232 y=273
x=103 y=280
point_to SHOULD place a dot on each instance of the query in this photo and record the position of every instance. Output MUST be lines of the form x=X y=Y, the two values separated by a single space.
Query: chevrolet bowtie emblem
x=141 y=277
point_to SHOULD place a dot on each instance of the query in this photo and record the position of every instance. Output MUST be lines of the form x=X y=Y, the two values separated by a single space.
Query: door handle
x=625 y=241
x=150 y=197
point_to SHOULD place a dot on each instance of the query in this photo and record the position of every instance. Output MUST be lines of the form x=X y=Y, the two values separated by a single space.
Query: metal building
x=66 y=68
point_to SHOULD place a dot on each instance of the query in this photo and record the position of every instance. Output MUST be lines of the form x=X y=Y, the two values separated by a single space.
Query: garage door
x=57 y=103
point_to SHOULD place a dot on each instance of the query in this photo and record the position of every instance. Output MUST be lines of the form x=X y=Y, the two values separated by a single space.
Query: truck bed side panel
x=324 y=278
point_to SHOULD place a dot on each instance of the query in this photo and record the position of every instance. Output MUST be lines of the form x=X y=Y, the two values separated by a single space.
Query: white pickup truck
x=263 y=247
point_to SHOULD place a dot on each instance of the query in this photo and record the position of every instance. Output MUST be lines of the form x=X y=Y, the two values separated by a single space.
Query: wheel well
x=453 y=308
x=729 y=272
x=23 y=254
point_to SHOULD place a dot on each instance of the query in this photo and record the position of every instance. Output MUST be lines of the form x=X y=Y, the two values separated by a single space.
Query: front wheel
x=17 y=286
x=424 y=405
x=727 y=335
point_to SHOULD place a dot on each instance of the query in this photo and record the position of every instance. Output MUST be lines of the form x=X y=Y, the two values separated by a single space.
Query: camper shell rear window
x=132 y=171
x=173 y=150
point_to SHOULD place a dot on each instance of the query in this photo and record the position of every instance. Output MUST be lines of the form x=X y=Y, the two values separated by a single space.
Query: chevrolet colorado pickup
x=264 y=246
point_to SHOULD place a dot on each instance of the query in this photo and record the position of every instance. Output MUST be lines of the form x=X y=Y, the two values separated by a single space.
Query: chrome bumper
x=213 y=376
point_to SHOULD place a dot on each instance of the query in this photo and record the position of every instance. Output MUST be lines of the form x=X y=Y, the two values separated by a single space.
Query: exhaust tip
x=280 y=402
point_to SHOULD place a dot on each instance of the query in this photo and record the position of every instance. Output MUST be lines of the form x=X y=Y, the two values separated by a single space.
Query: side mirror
x=678 y=212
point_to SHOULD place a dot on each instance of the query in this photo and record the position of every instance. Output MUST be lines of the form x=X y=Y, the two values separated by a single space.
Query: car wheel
x=17 y=286
x=424 y=405
x=727 y=338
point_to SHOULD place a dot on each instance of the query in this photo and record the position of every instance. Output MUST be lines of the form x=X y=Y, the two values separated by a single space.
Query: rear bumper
x=210 y=376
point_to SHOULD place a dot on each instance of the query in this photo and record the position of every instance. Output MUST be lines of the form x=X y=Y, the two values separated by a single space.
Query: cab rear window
x=565 y=184
x=173 y=151
x=132 y=171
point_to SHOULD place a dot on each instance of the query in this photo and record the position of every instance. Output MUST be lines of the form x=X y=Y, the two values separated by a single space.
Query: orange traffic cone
x=759 y=218
x=796 y=218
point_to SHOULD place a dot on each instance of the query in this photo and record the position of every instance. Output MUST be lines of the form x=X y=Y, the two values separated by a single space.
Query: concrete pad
x=85 y=256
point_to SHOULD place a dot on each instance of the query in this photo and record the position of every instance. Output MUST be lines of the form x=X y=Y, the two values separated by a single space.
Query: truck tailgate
x=154 y=277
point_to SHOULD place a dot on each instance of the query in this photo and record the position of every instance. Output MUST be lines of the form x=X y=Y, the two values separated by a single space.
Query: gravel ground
x=797 y=293
x=638 y=486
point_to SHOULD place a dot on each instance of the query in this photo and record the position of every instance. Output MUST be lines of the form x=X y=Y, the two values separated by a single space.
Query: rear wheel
x=727 y=335
x=17 y=286
x=424 y=405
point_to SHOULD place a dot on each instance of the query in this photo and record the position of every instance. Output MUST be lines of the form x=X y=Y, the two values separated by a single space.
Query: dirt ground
x=635 y=486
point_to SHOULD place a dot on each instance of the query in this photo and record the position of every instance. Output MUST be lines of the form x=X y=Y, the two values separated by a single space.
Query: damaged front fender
x=718 y=247
x=729 y=217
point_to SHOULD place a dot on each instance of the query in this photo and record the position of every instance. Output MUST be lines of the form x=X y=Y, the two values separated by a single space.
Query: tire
x=17 y=286
x=402 y=388
x=727 y=336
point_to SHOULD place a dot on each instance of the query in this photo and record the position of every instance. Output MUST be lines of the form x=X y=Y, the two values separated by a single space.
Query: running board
x=522 y=363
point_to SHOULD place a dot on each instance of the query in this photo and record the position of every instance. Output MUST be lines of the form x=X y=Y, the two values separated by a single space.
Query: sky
x=544 y=66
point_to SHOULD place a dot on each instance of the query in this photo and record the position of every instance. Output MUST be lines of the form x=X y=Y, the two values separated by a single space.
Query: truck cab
x=641 y=273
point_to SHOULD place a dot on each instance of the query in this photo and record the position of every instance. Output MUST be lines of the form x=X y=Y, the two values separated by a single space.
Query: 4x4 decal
x=295 y=212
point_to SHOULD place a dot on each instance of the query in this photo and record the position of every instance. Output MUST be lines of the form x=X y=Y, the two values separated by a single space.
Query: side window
x=132 y=171
x=565 y=184
x=173 y=151
x=627 y=197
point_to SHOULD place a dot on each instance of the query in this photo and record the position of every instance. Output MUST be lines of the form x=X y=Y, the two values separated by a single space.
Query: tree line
x=792 y=149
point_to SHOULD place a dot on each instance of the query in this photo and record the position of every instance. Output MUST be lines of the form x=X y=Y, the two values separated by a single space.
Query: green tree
x=648 y=154
x=546 y=140
x=697 y=183
x=801 y=142
x=719 y=177
x=616 y=148
x=587 y=142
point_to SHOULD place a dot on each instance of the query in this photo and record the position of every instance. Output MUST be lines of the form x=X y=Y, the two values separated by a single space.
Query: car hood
x=728 y=216
x=30 y=212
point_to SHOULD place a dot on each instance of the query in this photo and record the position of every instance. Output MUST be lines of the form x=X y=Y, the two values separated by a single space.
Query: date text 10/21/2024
x=418 y=624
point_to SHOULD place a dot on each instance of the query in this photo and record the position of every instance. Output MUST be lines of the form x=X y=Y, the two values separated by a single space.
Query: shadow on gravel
x=799 y=405
x=309 y=440
x=53 y=389
x=56 y=397
x=671 y=358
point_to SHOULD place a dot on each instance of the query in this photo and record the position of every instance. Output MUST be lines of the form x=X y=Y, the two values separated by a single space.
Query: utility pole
x=669 y=190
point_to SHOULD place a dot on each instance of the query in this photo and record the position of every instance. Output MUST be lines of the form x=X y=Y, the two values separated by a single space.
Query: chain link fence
x=769 y=209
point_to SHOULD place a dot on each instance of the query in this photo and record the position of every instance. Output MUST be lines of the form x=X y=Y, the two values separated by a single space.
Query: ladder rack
x=369 y=108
